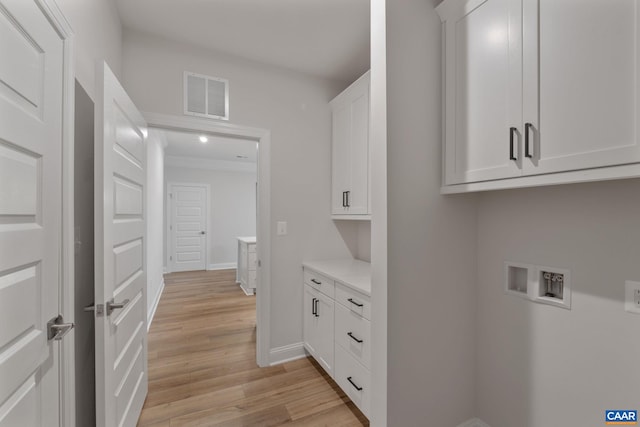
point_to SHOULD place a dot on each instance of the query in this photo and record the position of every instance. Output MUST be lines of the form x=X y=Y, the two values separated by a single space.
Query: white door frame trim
x=207 y=213
x=67 y=252
x=263 y=234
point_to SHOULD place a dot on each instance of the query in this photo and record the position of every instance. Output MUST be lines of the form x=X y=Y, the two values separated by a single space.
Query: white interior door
x=188 y=227
x=121 y=339
x=31 y=93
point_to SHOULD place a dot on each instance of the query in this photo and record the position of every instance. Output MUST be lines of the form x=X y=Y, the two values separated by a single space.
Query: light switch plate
x=632 y=297
x=282 y=228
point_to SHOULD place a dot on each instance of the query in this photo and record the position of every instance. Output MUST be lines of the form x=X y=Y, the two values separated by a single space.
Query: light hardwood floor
x=202 y=369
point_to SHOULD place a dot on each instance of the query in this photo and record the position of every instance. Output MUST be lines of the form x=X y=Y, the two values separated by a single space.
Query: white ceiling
x=327 y=38
x=182 y=144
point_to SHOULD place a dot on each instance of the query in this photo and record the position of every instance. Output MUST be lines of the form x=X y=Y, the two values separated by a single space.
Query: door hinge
x=57 y=329
x=171 y=195
x=170 y=258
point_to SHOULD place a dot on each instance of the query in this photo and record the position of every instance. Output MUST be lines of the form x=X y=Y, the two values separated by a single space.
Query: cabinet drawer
x=350 y=329
x=353 y=300
x=253 y=258
x=319 y=282
x=354 y=379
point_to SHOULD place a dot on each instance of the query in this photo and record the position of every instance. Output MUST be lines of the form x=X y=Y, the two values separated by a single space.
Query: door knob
x=116 y=305
x=99 y=309
x=57 y=329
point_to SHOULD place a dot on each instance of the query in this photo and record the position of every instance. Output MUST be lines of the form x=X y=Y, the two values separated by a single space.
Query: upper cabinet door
x=350 y=150
x=581 y=83
x=340 y=158
x=483 y=86
x=358 y=197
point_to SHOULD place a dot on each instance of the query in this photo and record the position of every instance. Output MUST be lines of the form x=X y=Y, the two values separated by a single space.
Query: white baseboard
x=475 y=422
x=222 y=266
x=286 y=353
x=154 y=307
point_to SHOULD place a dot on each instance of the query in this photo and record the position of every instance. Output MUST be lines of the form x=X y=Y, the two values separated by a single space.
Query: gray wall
x=295 y=108
x=84 y=259
x=98 y=35
x=541 y=366
x=432 y=238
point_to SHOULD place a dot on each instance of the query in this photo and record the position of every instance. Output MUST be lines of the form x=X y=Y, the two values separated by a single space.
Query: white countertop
x=351 y=272
x=247 y=239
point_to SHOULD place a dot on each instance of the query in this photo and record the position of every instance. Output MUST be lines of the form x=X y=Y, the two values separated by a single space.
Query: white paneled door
x=121 y=339
x=31 y=93
x=188 y=227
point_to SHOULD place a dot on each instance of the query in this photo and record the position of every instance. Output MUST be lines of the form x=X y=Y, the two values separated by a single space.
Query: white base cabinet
x=318 y=327
x=337 y=332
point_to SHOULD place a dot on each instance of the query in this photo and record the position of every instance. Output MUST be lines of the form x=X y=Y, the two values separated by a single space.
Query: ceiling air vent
x=206 y=96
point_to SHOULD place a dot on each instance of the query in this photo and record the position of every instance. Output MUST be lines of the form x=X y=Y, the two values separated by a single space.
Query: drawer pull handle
x=316 y=282
x=354 y=384
x=317 y=312
x=357 y=304
x=313 y=306
x=354 y=338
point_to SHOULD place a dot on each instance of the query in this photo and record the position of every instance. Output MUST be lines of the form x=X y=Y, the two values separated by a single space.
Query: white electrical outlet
x=632 y=297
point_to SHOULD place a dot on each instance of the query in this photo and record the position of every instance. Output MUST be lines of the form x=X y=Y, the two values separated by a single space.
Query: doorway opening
x=226 y=147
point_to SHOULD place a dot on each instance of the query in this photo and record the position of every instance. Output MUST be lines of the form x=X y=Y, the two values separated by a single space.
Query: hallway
x=202 y=369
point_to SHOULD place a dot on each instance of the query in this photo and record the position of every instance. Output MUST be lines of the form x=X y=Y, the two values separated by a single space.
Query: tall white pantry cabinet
x=350 y=192
x=539 y=87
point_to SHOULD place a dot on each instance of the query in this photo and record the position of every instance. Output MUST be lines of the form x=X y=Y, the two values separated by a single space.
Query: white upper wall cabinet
x=581 y=84
x=484 y=89
x=534 y=87
x=350 y=152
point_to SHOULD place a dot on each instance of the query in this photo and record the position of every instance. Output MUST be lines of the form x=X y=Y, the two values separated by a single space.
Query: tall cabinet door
x=340 y=158
x=350 y=150
x=310 y=321
x=325 y=312
x=483 y=60
x=581 y=76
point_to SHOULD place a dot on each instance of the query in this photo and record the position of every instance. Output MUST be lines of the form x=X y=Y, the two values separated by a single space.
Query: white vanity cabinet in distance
x=539 y=92
x=350 y=193
x=247 y=264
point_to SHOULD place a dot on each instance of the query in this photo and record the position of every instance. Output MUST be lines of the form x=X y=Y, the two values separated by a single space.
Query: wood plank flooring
x=202 y=369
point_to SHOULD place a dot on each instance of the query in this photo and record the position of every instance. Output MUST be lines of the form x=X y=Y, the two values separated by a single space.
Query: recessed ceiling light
x=203 y=139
